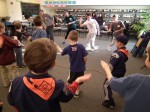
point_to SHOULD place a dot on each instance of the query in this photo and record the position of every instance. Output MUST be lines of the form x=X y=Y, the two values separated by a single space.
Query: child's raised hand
x=104 y=64
x=84 y=78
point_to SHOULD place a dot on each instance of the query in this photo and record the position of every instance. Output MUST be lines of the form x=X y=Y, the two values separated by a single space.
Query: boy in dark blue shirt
x=38 y=91
x=78 y=58
x=118 y=68
x=134 y=88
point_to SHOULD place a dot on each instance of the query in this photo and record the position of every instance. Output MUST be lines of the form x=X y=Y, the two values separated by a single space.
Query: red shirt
x=7 y=55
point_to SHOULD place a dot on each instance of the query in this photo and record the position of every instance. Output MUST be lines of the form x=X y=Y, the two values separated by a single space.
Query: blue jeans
x=18 y=52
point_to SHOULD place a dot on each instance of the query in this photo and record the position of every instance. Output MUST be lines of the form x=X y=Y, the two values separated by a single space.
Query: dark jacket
x=39 y=93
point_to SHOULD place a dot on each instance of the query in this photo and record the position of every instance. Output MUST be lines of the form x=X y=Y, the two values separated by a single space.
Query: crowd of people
x=45 y=91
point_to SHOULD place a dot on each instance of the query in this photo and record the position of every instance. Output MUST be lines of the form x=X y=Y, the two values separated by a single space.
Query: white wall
x=48 y=10
x=14 y=10
x=3 y=8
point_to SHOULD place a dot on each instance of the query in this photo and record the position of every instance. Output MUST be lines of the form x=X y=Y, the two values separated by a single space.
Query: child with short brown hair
x=117 y=64
x=38 y=91
x=78 y=58
x=18 y=51
x=7 y=56
x=134 y=88
x=39 y=32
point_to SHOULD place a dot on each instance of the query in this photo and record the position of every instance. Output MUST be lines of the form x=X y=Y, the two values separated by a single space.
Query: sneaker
x=63 y=42
x=89 y=49
x=95 y=48
x=78 y=95
x=108 y=104
x=20 y=67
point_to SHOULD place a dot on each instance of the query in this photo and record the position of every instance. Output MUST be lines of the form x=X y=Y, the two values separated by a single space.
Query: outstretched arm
x=105 y=66
x=59 y=49
x=80 y=22
x=69 y=91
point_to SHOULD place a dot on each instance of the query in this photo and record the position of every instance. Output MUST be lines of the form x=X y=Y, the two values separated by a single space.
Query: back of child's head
x=123 y=39
x=73 y=35
x=40 y=55
x=2 y=27
x=37 y=21
x=17 y=25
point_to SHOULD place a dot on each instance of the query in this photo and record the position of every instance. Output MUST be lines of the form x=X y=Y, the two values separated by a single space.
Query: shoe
x=109 y=104
x=78 y=95
x=109 y=48
x=89 y=49
x=20 y=67
x=63 y=42
x=95 y=48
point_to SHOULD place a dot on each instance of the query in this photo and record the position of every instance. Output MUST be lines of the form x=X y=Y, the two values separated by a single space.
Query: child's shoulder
x=79 y=44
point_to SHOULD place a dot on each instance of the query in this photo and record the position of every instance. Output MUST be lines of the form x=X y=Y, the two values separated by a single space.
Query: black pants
x=73 y=76
x=68 y=31
x=49 y=31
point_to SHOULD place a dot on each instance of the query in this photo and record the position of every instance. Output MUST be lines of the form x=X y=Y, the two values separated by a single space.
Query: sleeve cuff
x=73 y=87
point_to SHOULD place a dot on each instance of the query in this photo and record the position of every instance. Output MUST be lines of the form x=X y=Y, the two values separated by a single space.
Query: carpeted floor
x=92 y=96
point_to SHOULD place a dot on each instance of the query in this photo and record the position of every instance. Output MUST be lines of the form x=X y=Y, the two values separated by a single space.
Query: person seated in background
x=38 y=91
x=134 y=88
x=145 y=37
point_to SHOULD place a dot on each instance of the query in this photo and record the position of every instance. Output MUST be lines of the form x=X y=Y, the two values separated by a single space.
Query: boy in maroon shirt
x=7 y=56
